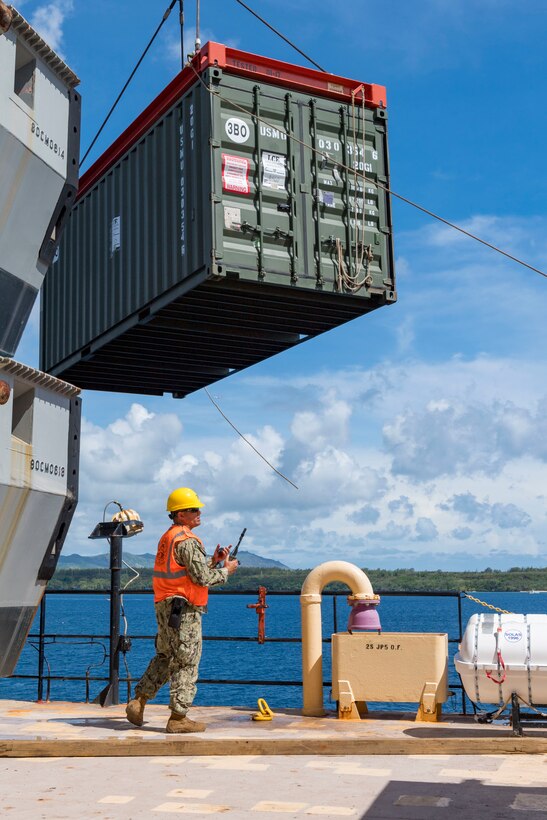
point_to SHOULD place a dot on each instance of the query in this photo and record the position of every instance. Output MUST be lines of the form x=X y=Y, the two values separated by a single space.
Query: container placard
x=235 y=174
x=274 y=170
x=237 y=130
x=115 y=235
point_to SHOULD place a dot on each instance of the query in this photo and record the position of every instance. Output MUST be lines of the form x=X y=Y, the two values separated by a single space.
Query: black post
x=116 y=545
x=110 y=695
x=114 y=531
x=41 y=650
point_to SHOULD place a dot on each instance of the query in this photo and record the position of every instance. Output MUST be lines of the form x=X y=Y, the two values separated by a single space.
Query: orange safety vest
x=170 y=578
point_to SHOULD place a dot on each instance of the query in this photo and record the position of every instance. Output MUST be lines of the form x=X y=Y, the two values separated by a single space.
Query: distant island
x=145 y=560
x=277 y=578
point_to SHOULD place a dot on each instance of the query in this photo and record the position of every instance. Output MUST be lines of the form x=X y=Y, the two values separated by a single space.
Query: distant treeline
x=291 y=580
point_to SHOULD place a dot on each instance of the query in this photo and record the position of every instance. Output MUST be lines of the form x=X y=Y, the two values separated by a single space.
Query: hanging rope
x=224 y=416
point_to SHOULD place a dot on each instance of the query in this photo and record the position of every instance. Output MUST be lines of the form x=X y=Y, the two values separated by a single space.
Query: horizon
x=309 y=569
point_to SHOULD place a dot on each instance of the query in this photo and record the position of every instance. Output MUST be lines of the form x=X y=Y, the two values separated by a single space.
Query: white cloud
x=48 y=21
x=444 y=438
x=316 y=429
x=425 y=530
x=506 y=516
x=448 y=475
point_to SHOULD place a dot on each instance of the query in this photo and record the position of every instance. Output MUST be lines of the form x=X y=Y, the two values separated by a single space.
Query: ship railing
x=41 y=639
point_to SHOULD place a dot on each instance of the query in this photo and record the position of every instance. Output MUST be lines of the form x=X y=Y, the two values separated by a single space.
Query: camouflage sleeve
x=191 y=555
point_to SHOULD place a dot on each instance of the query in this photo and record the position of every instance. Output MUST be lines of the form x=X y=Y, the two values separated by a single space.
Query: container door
x=254 y=175
x=347 y=219
x=297 y=194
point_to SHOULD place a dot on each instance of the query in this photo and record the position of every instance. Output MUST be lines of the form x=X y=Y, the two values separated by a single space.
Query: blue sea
x=233 y=660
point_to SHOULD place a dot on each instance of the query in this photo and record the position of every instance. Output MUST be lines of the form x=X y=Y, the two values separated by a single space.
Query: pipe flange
x=359 y=597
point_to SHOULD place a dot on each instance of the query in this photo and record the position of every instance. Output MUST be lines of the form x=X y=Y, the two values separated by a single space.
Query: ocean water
x=233 y=660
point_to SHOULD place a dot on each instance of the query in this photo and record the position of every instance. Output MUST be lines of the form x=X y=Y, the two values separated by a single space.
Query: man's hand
x=220 y=554
x=231 y=565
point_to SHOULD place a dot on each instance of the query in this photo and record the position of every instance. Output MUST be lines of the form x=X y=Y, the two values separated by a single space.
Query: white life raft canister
x=504 y=654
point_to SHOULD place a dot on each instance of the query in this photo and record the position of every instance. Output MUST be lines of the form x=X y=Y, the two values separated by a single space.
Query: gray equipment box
x=244 y=211
x=39 y=148
x=39 y=452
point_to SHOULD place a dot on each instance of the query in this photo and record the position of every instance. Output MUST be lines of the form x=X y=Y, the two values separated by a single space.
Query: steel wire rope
x=120 y=95
x=377 y=183
x=269 y=25
x=48 y=676
x=181 y=25
x=246 y=440
x=136 y=575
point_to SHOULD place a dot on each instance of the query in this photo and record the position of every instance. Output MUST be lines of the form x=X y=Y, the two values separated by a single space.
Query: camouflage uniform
x=178 y=652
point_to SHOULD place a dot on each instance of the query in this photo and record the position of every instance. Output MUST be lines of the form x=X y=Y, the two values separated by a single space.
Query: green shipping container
x=243 y=212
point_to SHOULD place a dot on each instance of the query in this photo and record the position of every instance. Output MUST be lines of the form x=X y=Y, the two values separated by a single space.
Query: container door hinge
x=215 y=198
x=214 y=143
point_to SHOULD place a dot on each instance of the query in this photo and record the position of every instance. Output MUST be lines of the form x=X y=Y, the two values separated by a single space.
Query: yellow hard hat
x=183 y=498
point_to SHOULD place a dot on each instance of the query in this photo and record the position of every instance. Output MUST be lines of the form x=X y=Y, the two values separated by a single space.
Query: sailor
x=181 y=579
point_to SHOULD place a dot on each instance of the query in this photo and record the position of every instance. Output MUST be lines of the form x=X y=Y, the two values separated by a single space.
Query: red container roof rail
x=240 y=63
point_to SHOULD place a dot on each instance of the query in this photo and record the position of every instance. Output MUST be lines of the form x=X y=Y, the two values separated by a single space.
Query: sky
x=417 y=435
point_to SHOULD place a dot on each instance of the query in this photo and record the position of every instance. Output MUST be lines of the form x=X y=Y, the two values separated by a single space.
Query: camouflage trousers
x=178 y=652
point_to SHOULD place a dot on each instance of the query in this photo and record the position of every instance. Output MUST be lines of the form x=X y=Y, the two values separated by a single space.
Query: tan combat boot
x=135 y=710
x=180 y=724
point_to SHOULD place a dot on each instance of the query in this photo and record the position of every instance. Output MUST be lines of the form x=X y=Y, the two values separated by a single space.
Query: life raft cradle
x=517 y=717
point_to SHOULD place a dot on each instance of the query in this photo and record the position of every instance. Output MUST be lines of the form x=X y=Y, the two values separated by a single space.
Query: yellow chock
x=264 y=711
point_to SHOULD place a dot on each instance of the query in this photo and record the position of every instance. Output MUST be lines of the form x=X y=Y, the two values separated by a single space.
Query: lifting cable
x=379 y=184
x=268 y=25
x=181 y=25
x=141 y=58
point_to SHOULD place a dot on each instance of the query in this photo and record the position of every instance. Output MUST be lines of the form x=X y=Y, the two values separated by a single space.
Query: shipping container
x=243 y=212
x=39 y=149
x=39 y=453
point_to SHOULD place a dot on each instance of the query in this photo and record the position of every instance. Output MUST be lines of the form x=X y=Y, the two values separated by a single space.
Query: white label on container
x=235 y=174
x=512 y=635
x=272 y=133
x=237 y=130
x=232 y=218
x=326 y=198
x=274 y=170
x=115 y=238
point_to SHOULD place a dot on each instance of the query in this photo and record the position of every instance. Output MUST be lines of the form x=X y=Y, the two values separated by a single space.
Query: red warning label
x=235 y=174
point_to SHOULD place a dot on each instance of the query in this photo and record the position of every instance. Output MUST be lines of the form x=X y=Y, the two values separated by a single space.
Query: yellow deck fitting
x=264 y=711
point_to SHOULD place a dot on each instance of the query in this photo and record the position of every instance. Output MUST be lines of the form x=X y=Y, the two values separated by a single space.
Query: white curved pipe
x=310 y=604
